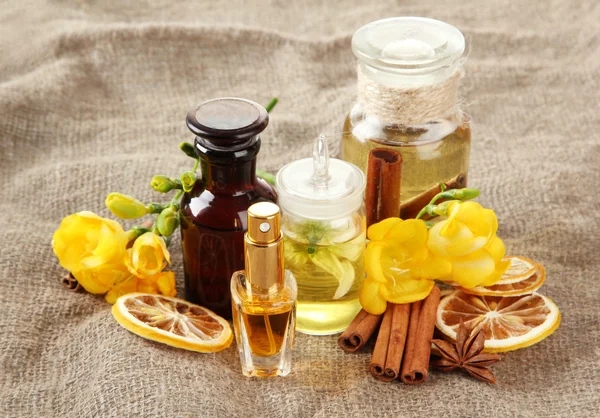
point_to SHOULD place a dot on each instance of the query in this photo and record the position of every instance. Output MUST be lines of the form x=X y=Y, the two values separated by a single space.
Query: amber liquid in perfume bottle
x=266 y=329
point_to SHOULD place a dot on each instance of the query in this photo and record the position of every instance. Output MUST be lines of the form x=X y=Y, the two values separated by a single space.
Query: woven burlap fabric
x=93 y=98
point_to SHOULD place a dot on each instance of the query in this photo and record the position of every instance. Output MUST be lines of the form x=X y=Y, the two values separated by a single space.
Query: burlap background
x=93 y=99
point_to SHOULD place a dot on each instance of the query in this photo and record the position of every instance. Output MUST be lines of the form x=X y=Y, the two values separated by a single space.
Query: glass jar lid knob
x=321 y=162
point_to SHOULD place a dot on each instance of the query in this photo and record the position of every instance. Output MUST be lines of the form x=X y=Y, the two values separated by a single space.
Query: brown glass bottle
x=214 y=214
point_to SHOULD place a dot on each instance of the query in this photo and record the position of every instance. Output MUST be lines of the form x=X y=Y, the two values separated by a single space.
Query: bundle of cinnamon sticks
x=403 y=344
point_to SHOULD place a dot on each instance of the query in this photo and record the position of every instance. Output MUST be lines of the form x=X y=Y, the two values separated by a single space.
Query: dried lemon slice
x=520 y=288
x=509 y=323
x=520 y=268
x=173 y=321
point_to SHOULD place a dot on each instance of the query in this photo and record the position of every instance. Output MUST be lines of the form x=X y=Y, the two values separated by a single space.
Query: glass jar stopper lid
x=320 y=187
x=408 y=43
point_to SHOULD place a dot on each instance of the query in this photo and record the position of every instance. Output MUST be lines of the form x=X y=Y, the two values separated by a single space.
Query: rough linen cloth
x=93 y=98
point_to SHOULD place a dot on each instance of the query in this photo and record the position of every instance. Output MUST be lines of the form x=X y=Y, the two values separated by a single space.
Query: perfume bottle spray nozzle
x=263 y=246
x=264 y=223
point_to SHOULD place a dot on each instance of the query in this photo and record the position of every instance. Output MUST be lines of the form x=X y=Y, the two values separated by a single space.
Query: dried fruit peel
x=160 y=310
x=503 y=313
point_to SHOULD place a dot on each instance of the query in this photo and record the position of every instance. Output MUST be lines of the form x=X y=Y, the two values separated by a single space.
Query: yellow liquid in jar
x=432 y=153
x=319 y=311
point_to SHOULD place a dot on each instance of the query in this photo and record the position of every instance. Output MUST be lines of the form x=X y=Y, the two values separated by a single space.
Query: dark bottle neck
x=232 y=179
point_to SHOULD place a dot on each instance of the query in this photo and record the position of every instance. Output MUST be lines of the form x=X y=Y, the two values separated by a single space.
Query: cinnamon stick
x=418 y=343
x=389 y=347
x=382 y=200
x=411 y=208
x=384 y=175
x=377 y=366
x=415 y=311
x=397 y=340
x=359 y=331
x=70 y=283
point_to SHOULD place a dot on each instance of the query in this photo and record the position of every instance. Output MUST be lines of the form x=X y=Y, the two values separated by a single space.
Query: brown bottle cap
x=227 y=121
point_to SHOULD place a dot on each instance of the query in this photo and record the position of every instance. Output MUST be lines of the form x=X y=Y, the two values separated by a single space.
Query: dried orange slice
x=520 y=269
x=173 y=321
x=523 y=287
x=509 y=323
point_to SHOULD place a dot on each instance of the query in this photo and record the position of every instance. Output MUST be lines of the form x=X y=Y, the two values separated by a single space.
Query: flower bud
x=188 y=179
x=125 y=207
x=460 y=194
x=266 y=176
x=188 y=149
x=168 y=221
x=466 y=193
x=164 y=184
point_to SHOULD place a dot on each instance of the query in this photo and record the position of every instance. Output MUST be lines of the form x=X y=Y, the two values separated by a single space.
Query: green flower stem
x=453 y=194
x=427 y=210
x=271 y=104
x=137 y=231
x=197 y=164
x=175 y=200
x=155 y=207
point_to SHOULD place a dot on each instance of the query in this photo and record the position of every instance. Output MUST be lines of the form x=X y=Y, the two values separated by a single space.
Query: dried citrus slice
x=509 y=323
x=173 y=321
x=524 y=287
x=520 y=269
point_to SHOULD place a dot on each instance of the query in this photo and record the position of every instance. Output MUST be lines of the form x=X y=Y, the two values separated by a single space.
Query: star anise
x=466 y=354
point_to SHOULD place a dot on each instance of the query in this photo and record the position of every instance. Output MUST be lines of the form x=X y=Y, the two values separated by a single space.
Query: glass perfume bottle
x=213 y=215
x=264 y=298
x=324 y=231
x=409 y=71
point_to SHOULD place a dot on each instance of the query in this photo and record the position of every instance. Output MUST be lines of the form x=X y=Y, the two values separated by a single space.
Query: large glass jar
x=408 y=75
x=324 y=230
x=214 y=214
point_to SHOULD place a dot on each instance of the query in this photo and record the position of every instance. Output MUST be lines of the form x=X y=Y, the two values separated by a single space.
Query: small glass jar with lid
x=323 y=224
x=408 y=76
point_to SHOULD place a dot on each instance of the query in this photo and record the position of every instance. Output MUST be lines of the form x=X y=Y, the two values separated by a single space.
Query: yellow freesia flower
x=129 y=284
x=467 y=240
x=166 y=283
x=163 y=283
x=92 y=248
x=400 y=268
x=148 y=256
x=101 y=280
